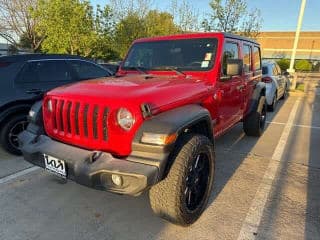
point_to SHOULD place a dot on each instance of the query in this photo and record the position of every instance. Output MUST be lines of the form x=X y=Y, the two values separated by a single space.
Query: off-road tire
x=168 y=198
x=254 y=123
x=6 y=133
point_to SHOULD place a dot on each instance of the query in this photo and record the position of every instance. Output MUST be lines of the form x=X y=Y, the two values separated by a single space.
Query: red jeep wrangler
x=153 y=125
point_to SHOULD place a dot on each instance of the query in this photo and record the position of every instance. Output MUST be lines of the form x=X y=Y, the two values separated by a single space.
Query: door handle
x=34 y=91
x=240 y=88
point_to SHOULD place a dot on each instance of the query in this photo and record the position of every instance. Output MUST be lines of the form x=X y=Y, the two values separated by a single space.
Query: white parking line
x=296 y=125
x=17 y=174
x=252 y=221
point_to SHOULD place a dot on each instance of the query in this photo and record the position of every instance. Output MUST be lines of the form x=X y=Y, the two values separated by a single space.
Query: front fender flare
x=173 y=121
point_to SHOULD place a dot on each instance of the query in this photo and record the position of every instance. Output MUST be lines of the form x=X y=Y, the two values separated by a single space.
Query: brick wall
x=279 y=45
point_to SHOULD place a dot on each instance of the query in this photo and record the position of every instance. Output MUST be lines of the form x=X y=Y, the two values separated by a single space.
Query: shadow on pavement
x=236 y=142
x=312 y=225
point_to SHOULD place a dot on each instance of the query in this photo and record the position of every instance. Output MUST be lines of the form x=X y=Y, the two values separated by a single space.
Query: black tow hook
x=94 y=156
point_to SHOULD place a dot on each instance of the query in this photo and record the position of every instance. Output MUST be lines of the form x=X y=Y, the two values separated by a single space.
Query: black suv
x=24 y=79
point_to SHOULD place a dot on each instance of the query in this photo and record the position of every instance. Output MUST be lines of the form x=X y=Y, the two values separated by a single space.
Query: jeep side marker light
x=158 y=139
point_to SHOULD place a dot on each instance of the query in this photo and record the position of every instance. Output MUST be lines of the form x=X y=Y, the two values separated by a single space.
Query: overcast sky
x=278 y=15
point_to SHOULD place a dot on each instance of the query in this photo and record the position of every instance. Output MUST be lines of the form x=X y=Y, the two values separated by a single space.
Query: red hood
x=160 y=92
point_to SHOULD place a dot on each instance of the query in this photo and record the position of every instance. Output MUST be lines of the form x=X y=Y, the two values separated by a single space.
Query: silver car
x=276 y=82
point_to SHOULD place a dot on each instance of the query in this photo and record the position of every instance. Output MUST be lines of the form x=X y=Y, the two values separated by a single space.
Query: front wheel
x=183 y=195
x=10 y=131
x=254 y=123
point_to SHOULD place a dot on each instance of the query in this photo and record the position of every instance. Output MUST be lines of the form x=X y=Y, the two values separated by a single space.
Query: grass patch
x=300 y=87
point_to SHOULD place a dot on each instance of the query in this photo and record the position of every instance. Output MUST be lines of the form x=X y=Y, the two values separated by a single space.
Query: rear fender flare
x=260 y=90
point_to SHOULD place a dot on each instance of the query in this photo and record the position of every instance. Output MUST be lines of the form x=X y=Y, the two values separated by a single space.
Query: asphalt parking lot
x=267 y=188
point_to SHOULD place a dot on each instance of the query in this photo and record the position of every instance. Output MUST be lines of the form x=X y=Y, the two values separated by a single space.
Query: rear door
x=231 y=102
x=249 y=78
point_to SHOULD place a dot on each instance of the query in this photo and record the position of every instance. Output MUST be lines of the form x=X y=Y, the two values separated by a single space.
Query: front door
x=231 y=103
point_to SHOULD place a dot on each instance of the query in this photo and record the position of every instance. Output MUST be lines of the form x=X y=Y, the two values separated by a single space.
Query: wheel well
x=201 y=127
x=13 y=110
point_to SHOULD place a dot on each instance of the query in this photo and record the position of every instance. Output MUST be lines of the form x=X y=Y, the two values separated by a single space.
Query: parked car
x=154 y=125
x=277 y=83
x=24 y=79
x=112 y=67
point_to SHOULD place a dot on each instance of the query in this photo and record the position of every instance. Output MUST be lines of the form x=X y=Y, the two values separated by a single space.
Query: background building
x=279 y=45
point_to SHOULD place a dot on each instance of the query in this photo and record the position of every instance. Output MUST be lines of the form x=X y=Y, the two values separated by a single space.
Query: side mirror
x=234 y=67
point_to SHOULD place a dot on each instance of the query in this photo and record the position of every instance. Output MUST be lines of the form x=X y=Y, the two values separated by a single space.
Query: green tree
x=185 y=15
x=68 y=26
x=127 y=30
x=160 y=23
x=133 y=26
x=233 y=16
x=284 y=64
x=104 y=48
x=303 y=65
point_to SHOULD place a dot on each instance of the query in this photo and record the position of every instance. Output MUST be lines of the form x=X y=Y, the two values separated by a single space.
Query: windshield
x=187 y=54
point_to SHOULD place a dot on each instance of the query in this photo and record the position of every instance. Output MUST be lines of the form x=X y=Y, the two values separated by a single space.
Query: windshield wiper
x=141 y=70
x=171 y=68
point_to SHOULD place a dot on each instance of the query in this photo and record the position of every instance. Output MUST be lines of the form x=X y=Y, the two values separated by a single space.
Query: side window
x=45 y=71
x=87 y=70
x=53 y=71
x=247 y=58
x=231 y=51
x=28 y=74
x=257 y=58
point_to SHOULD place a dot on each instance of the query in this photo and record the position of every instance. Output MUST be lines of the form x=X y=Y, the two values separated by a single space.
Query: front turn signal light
x=158 y=139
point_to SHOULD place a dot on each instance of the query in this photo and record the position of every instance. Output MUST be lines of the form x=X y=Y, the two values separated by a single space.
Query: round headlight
x=49 y=105
x=125 y=119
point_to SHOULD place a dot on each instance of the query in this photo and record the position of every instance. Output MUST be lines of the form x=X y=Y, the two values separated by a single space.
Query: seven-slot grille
x=74 y=118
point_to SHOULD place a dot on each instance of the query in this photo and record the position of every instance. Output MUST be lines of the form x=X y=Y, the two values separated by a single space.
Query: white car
x=276 y=83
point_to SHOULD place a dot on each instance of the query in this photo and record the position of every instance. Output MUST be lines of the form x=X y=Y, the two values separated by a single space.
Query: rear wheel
x=254 y=123
x=10 y=131
x=183 y=195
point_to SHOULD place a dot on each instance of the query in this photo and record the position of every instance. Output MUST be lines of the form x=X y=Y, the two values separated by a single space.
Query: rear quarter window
x=86 y=70
x=265 y=70
x=257 y=58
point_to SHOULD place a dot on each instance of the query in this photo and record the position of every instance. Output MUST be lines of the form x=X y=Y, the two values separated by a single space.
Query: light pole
x=291 y=70
x=296 y=40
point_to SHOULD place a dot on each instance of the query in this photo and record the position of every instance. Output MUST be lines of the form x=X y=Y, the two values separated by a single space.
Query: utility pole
x=296 y=40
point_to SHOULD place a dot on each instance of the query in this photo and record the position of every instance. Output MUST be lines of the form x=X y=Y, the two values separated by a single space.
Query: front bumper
x=89 y=168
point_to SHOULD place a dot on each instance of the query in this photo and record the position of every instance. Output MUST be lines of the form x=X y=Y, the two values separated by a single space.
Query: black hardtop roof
x=27 y=57
x=234 y=36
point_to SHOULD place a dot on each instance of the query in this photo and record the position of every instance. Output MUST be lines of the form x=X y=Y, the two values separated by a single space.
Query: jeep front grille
x=73 y=118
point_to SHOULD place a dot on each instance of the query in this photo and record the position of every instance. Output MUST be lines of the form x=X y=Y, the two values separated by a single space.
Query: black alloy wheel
x=9 y=133
x=197 y=182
